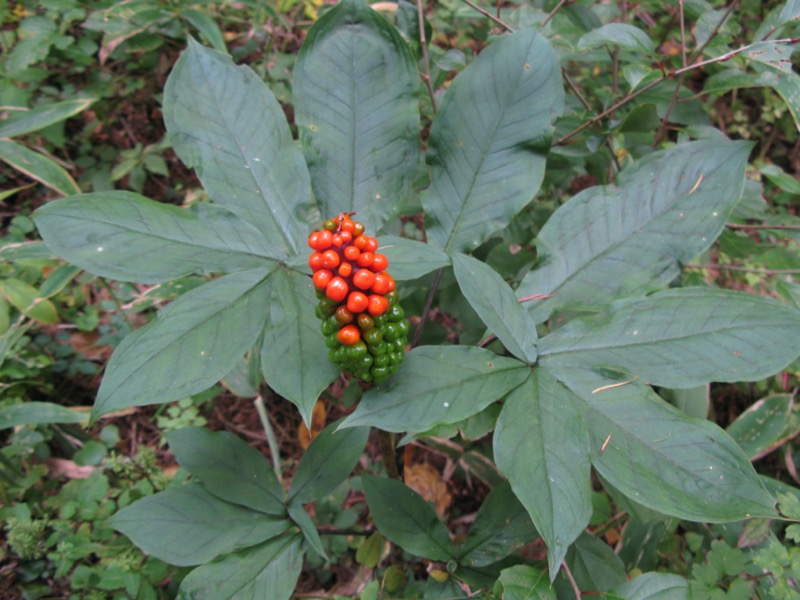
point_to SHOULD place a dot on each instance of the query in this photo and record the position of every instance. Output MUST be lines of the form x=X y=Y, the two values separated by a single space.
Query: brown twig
x=737 y=226
x=426 y=75
x=745 y=269
x=553 y=12
x=572 y=581
x=489 y=15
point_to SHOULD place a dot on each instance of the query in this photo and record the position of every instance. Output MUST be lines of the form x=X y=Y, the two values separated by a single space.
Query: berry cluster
x=362 y=322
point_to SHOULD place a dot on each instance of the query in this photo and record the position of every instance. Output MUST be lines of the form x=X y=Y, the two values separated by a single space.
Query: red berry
x=351 y=252
x=372 y=244
x=345 y=269
x=330 y=259
x=360 y=242
x=383 y=284
x=337 y=289
x=357 y=302
x=349 y=335
x=377 y=305
x=379 y=262
x=322 y=278
x=365 y=259
x=364 y=279
x=315 y=261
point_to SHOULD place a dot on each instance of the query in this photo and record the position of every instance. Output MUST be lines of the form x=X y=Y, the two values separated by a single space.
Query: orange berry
x=358 y=229
x=379 y=262
x=336 y=240
x=346 y=236
x=351 y=252
x=377 y=305
x=365 y=259
x=330 y=259
x=372 y=244
x=323 y=241
x=348 y=225
x=322 y=278
x=349 y=335
x=364 y=279
x=383 y=284
x=357 y=302
x=315 y=261
x=345 y=269
x=360 y=242
x=337 y=289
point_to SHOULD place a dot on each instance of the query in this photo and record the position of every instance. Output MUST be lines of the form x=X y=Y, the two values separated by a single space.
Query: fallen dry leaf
x=318 y=418
x=428 y=483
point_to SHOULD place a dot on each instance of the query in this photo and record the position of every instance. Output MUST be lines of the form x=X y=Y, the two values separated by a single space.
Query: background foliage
x=631 y=495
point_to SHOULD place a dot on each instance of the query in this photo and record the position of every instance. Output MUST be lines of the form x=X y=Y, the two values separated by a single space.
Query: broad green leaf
x=40 y=413
x=125 y=236
x=624 y=240
x=228 y=468
x=735 y=78
x=39 y=167
x=225 y=122
x=187 y=525
x=327 y=462
x=26 y=121
x=438 y=384
x=522 y=582
x=594 y=564
x=409 y=259
x=653 y=586
x=26 y=251
x=501 y=526
x=662 y=458
x=763 y=425
x=788 y=87
x=496 y=305
x=682 y=338
x=773 y=54
x=781 y=178
x=625 y=36
x=356 y=106
x=195 y=341
x=541 y=444
x=294 y=357
x=300 y=518
x=206 y=26
x=269 y=570
x=26 y=299
x=405 y=519
x=489 y=141
x=790 y=11
x=694 y=401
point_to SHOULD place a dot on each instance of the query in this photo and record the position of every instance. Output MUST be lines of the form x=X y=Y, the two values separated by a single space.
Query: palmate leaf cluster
x=576 y=396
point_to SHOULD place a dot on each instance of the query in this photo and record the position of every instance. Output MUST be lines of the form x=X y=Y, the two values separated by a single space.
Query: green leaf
x=356 y=106
x=682 y=338
x=594 y=565
x=694 y=401
x=39 y=167
x=371 y=550
x=228 y=468
x=294 y=357
x=522 y=582
x=26 y=121
x=409 y=259
x=26 y=299
x=653 y=586
x=627 y=37
x=269 y=570
x=40 y=413
x=438 y=384
x=541 y=444
x=496 y=305
x=489 y=140
x=300 y=518
x=775 y=55
x=195 y=341
x=187 y=525
x=327 y=462
x=225 y=122
x=763 y=425
x=125 y=236
x=611 y=242
x=501 y=526
x=662 y=458
x=207 y=28
x=405 y=519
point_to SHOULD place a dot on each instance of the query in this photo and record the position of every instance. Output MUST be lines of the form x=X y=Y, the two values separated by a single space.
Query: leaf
x=187 y=525
x=435 y=385
x=627 y=37
x=405 y=519
x=763 y=425
x=682 y=338
x=594 y=565
x=409 y=259
x=488 y=143
x=653 y=586
x=40 y=413
x=501 y=526
x=694 y=401
x=662 y=458
x=39 y=167
x=790 y=11
x=193 y=344
x=773 y=54
x=522 y=582
x=300 y=518
x=225 y=122
x=26 y=299
x=328 y=461
x=269 y=570
x=541 y=444
x=27 y=121
x=228 y=468
x=125 y=236
x=611 y=242
x=206 y=26
x=355 y=89
x=294 y=357
x=496 y=305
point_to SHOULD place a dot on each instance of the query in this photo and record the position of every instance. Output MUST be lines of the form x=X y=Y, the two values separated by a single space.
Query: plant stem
x=271 y=441
x=553 y=12
x=387 y=446
x=426 y=75
x=572 y=581
x=737 y=226
x=745 y=269
x=427 y=309
x=489 y=15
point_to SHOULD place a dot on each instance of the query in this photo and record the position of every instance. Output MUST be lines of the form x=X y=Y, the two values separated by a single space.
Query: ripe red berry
x=322 y=278
x=379 y=262
x=345 y=269
x=349 y=335
x=315 y=261
x=364 y=279
x=357 y=302
x=351 y=252
x=365 y=259
x=330 y=259
x=337 y=289
x=383 y=284
x=377 y=305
